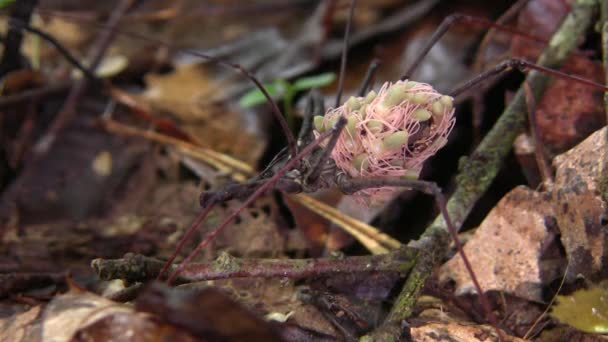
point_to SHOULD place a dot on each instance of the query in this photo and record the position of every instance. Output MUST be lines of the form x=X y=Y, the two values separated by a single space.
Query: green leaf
x=255 y=97
x=316 y=81
x=586 y=310
x=6 y=3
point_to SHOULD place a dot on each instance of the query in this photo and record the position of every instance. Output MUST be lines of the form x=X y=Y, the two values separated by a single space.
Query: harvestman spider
x=308 y=168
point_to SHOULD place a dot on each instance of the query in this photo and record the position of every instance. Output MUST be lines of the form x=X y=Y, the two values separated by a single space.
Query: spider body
x=390 y=133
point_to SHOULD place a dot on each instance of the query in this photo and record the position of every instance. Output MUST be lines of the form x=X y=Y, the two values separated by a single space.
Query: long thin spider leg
x=321 y=161
x=522 y=65
x=182 y=243
x=314 y=106
x=447 y=23
x=539 y=150
x=291 y=141
x=351 y=185
x=369 y=77
x=351 y=13
x=335 y=131
x=209 y=199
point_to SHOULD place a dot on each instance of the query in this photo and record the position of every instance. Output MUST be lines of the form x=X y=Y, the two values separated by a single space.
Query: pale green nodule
x=318 y=123
x=329 y=124
x=410 y=84
x=375 y=126
x=360 y=162
x=363 y=110
x=395 y=141
x=447 y=101
x=353 y=104
x=421 y=114
x=395 y=95
x=369 y=97
x=351 y=125
x=420 y=98
x=437 y=108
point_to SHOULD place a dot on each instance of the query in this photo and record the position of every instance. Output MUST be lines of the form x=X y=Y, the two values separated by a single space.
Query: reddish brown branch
x=135 y=267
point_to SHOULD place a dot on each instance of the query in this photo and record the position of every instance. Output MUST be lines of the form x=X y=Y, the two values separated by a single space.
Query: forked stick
x=334 y=133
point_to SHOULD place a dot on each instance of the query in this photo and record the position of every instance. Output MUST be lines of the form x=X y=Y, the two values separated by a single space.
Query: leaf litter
x=134 y=197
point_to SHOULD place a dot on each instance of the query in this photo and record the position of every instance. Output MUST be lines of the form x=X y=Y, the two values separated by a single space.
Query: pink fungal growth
x=389 y=134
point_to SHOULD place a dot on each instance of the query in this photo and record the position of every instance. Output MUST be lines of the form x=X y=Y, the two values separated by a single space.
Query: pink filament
x=398 y=162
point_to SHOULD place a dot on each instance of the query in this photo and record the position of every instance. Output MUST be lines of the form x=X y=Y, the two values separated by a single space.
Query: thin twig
x=539 y=150
x=69 y=107
x=349 y=23
x=139 y=268
x=479 y=170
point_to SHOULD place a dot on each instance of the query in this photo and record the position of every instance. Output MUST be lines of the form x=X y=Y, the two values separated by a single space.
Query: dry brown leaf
x=83 y=316
x=579 y=208
x=438 y=326
x=19 y=327
x=506 y=249
x=191 y=95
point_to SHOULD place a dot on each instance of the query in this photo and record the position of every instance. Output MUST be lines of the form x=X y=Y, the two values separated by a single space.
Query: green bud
x=351 y=125
x=447 y=101
x=421 y=114
x=361 y=162
x=395 y=95
x=318 y=123
x=420 y=98
x=437 y=108
x=395 y=141
x=331 y=123
x=369 y=97
x=375 y=126
x=353 y=104
x=363 y=110
x=410 y=84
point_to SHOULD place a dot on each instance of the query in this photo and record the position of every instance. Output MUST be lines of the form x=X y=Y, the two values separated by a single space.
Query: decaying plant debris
x=101 y=179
